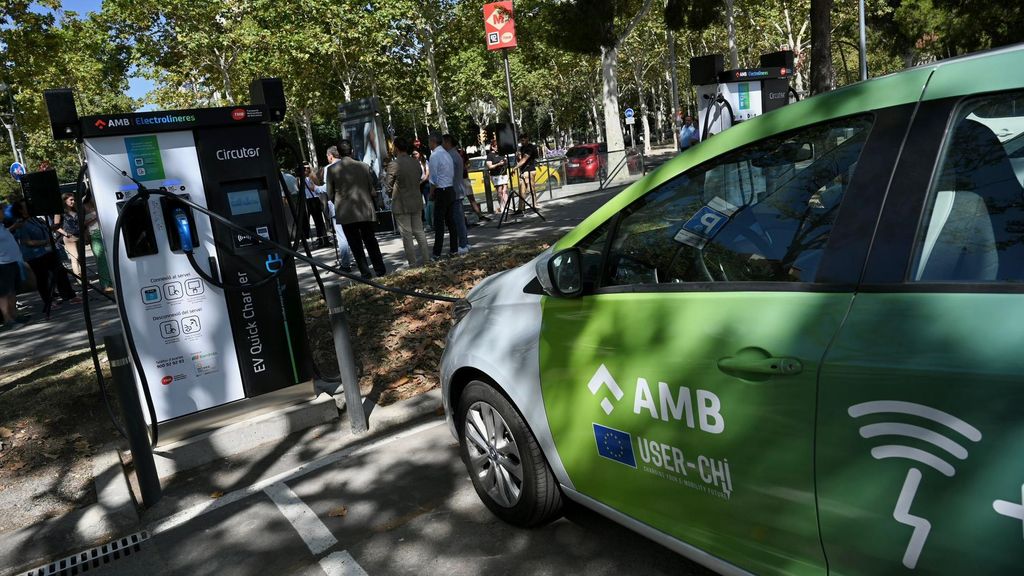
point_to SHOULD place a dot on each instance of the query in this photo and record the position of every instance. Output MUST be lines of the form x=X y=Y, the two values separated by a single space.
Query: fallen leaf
x=338 y=512
x=82 y=445
x=50 y=455
x=401 y=381
x=5 y=432
x=18 y=465
x=216 y=494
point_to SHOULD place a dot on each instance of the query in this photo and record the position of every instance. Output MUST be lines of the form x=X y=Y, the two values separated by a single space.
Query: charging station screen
x=244 y=202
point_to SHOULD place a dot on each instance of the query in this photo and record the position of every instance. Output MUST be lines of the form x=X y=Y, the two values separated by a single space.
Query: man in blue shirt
x=688 y=135
x=442 y=192
x=448 y=143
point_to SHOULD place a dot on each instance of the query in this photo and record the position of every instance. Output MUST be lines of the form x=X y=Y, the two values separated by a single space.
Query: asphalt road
x=400 y=505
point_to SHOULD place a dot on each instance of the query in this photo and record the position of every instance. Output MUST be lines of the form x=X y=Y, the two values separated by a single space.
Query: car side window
x=762 y=213
x=973 y=226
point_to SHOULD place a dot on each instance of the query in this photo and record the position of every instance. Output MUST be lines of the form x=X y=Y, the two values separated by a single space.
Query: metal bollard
x=134 y=422
x=346 y=358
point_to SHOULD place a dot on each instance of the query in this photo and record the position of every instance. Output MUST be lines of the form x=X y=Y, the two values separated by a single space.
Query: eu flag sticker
x=614 y=445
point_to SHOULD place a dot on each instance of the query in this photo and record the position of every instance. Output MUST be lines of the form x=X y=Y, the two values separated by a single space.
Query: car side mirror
x=561 y=273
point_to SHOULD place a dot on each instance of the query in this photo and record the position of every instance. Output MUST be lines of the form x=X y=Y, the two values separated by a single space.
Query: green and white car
x=798 y=348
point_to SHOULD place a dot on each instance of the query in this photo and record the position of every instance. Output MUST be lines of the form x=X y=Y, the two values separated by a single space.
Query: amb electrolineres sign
x=499 y=25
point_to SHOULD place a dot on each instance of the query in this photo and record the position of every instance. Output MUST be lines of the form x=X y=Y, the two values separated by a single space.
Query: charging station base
x=192 y=441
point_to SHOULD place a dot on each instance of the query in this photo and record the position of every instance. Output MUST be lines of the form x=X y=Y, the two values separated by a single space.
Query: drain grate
x=92 y=558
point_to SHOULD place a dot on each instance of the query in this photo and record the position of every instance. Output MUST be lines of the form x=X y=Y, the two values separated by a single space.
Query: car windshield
x=476 y=163
x=579 y=152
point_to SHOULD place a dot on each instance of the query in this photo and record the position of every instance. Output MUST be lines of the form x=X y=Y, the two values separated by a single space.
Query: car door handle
x=772 y=366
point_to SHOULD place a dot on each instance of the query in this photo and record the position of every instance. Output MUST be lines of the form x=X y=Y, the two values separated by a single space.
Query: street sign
x=17 y=171
x=630 y=120
x=629 y=112
x=499 y=26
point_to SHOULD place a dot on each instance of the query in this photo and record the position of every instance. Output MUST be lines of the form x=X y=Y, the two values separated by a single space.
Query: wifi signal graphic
x=945 y=447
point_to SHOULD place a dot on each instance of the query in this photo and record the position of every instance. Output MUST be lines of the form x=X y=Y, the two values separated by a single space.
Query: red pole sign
x=499 y=25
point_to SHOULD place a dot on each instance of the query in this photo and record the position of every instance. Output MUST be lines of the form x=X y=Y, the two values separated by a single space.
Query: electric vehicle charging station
x=199 y=346
x=727 y=97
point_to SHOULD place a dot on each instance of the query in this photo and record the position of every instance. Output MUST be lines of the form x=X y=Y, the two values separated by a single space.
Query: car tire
x=496 y=446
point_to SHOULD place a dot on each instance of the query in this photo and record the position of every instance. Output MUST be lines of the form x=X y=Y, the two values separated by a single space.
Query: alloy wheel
x=493 y=454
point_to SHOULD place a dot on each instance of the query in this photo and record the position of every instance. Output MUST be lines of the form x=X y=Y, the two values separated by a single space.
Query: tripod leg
x=504 y=211
x=533 y=206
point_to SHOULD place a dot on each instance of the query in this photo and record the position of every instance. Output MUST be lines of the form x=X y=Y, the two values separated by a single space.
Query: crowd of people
x=32 y=254
x=423 y=186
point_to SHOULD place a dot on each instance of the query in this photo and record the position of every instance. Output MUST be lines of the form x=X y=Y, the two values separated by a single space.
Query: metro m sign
x=499 y=26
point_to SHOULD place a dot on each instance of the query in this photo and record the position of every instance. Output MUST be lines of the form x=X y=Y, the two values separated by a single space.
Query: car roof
x=986 y=71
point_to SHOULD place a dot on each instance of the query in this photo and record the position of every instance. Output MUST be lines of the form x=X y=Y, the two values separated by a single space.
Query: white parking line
x=312 y=531
x=341 y=564
x=198 y=510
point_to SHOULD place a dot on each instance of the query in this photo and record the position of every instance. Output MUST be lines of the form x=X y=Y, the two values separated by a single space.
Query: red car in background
x=586 y=162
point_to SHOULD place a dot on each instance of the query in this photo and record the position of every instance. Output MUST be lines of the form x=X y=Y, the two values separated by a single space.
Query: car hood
x=508 y=283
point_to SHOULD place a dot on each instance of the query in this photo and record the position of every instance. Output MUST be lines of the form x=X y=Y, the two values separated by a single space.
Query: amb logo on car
x=677 y=407
x=668 y=462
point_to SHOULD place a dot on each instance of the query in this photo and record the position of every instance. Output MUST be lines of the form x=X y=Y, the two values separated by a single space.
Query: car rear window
x=581 y=152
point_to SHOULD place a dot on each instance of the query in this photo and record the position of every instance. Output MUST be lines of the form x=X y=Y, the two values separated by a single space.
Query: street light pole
x=11 y=125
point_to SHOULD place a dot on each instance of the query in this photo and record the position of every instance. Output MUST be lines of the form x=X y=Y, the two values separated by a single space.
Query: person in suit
x=350 y=184
x=403 y=178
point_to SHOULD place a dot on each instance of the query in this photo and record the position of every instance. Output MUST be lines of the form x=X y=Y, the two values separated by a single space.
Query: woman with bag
x=11 y=269
x=34 y=237
x=67 y=226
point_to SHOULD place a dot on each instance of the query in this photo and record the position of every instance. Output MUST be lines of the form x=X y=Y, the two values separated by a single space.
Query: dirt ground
x=53 y=418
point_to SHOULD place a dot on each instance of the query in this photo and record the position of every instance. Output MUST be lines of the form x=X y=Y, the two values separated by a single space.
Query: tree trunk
x=638 y=77
x=612 y=127
x=822 y=75
x=428 y=44
x=307 y=130
x=673 y=82
x=659 y=110
x=730 y=24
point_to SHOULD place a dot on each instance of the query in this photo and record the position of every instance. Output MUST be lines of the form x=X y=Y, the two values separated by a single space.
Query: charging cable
x=184 y=229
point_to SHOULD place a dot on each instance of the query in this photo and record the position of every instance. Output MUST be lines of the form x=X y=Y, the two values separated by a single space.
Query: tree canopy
x=427 y=61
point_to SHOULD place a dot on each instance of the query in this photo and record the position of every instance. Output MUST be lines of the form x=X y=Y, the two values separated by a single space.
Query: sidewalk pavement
x=116 y=515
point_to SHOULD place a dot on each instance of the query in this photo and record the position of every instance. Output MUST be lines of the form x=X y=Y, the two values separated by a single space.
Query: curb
x=116 y=513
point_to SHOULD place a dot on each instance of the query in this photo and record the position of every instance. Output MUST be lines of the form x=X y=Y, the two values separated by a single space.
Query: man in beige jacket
x=350 y=183
x=403 y=178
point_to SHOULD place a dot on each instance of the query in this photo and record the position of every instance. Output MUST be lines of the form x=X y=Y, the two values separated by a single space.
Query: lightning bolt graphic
x=902 y=515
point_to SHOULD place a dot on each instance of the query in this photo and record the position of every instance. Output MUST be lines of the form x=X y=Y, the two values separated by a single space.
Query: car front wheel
x=504 y=460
